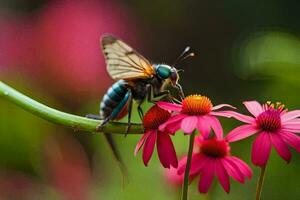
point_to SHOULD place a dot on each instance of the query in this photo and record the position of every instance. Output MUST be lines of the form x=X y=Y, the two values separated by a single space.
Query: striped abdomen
x=115 y=100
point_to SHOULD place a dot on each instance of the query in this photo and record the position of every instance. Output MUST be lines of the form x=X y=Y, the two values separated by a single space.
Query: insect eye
x=163 y=72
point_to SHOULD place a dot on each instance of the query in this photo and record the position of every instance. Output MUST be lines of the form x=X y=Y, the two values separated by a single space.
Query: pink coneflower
x=195 y=112
x=173 y=178
x=273 y=126
x=154 y=117
x=211 y=157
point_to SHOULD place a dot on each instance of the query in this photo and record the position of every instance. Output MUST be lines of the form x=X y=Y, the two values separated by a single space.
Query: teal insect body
x=115 y=100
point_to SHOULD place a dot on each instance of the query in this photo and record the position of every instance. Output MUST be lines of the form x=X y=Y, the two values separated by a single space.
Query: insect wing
x=123 y=62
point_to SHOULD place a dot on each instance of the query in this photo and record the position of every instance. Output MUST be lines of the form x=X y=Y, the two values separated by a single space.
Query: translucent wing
x=123 y=62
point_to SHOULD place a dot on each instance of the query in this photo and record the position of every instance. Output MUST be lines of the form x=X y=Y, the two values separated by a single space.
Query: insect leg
x=153 y=98
x=92 y=116
x=130 y=101
x=140 y=111
x=181 y=93
x=105 y=121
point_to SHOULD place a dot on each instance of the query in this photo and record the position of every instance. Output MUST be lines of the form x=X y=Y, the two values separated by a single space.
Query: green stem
x=260 y=182
x=187 y=168
x=58 y=117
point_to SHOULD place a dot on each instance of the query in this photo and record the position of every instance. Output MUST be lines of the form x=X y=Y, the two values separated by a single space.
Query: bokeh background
x=50 y=50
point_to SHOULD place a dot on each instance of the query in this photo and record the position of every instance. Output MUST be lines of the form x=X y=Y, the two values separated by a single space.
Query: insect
x=136 y=79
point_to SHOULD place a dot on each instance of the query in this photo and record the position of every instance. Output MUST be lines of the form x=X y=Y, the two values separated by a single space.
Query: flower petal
x=172 y=128
x=182 y=165
x=141 y=142
x=166 y=151
x=253 y=107
x=261 y=149
x=223 y=105
x=292 y=125
x=203 y=126
x=207 y=176
x=238 y=116
x=222 y=175
x=172 y=121
x=290 y=115
x=241 y=132
x=216 y=126
x=188 y=124
x=281 y=147
x=245 y=169
x=149 y=147
x=291 y=139
x=233 y=170
x=170 y=106
x=197 y=163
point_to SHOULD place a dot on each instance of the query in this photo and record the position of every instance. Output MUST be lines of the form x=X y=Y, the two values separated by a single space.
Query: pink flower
x=273 y=126
x=211 y=157
x=195 y=112
x=173 y=177
x=154 y=117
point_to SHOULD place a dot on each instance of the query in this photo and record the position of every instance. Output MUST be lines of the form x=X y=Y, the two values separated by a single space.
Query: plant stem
x=187 y=168
x=260 y=182
x=62 y=118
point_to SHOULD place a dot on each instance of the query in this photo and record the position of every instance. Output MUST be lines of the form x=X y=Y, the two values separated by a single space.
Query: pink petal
x=245 y=169
x=223 y=105
x=233 y=170
x=291 y=139
x=216 y=126
x=203 y=126
x=197 y=163
x=281 y=147
x=166 y=151
x=149 y=147
x=241 y=132
x=222 y=175
x=238 y=116
x=170 y=106
x=181 y=168
x=141 y=142
x=207 y=176
x=172 y=128
x=261 y=149
x=172 y=121
x=292 y=125
x=188 y=124
x=182 y=165
x=290 y=115
x=253 y=107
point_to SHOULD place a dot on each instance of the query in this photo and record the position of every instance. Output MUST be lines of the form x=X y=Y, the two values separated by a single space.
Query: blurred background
x=50 y=50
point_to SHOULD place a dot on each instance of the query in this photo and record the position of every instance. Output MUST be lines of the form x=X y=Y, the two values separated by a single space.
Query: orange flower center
x=196 y=105
x=215 y=148
x=154 y=117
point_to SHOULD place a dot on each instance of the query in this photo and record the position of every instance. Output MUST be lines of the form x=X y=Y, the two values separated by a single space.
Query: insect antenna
x=183 y=56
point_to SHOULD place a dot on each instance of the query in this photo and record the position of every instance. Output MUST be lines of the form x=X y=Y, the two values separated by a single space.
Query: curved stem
x=187 y=168
x=62 y=118
x=260 y=182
